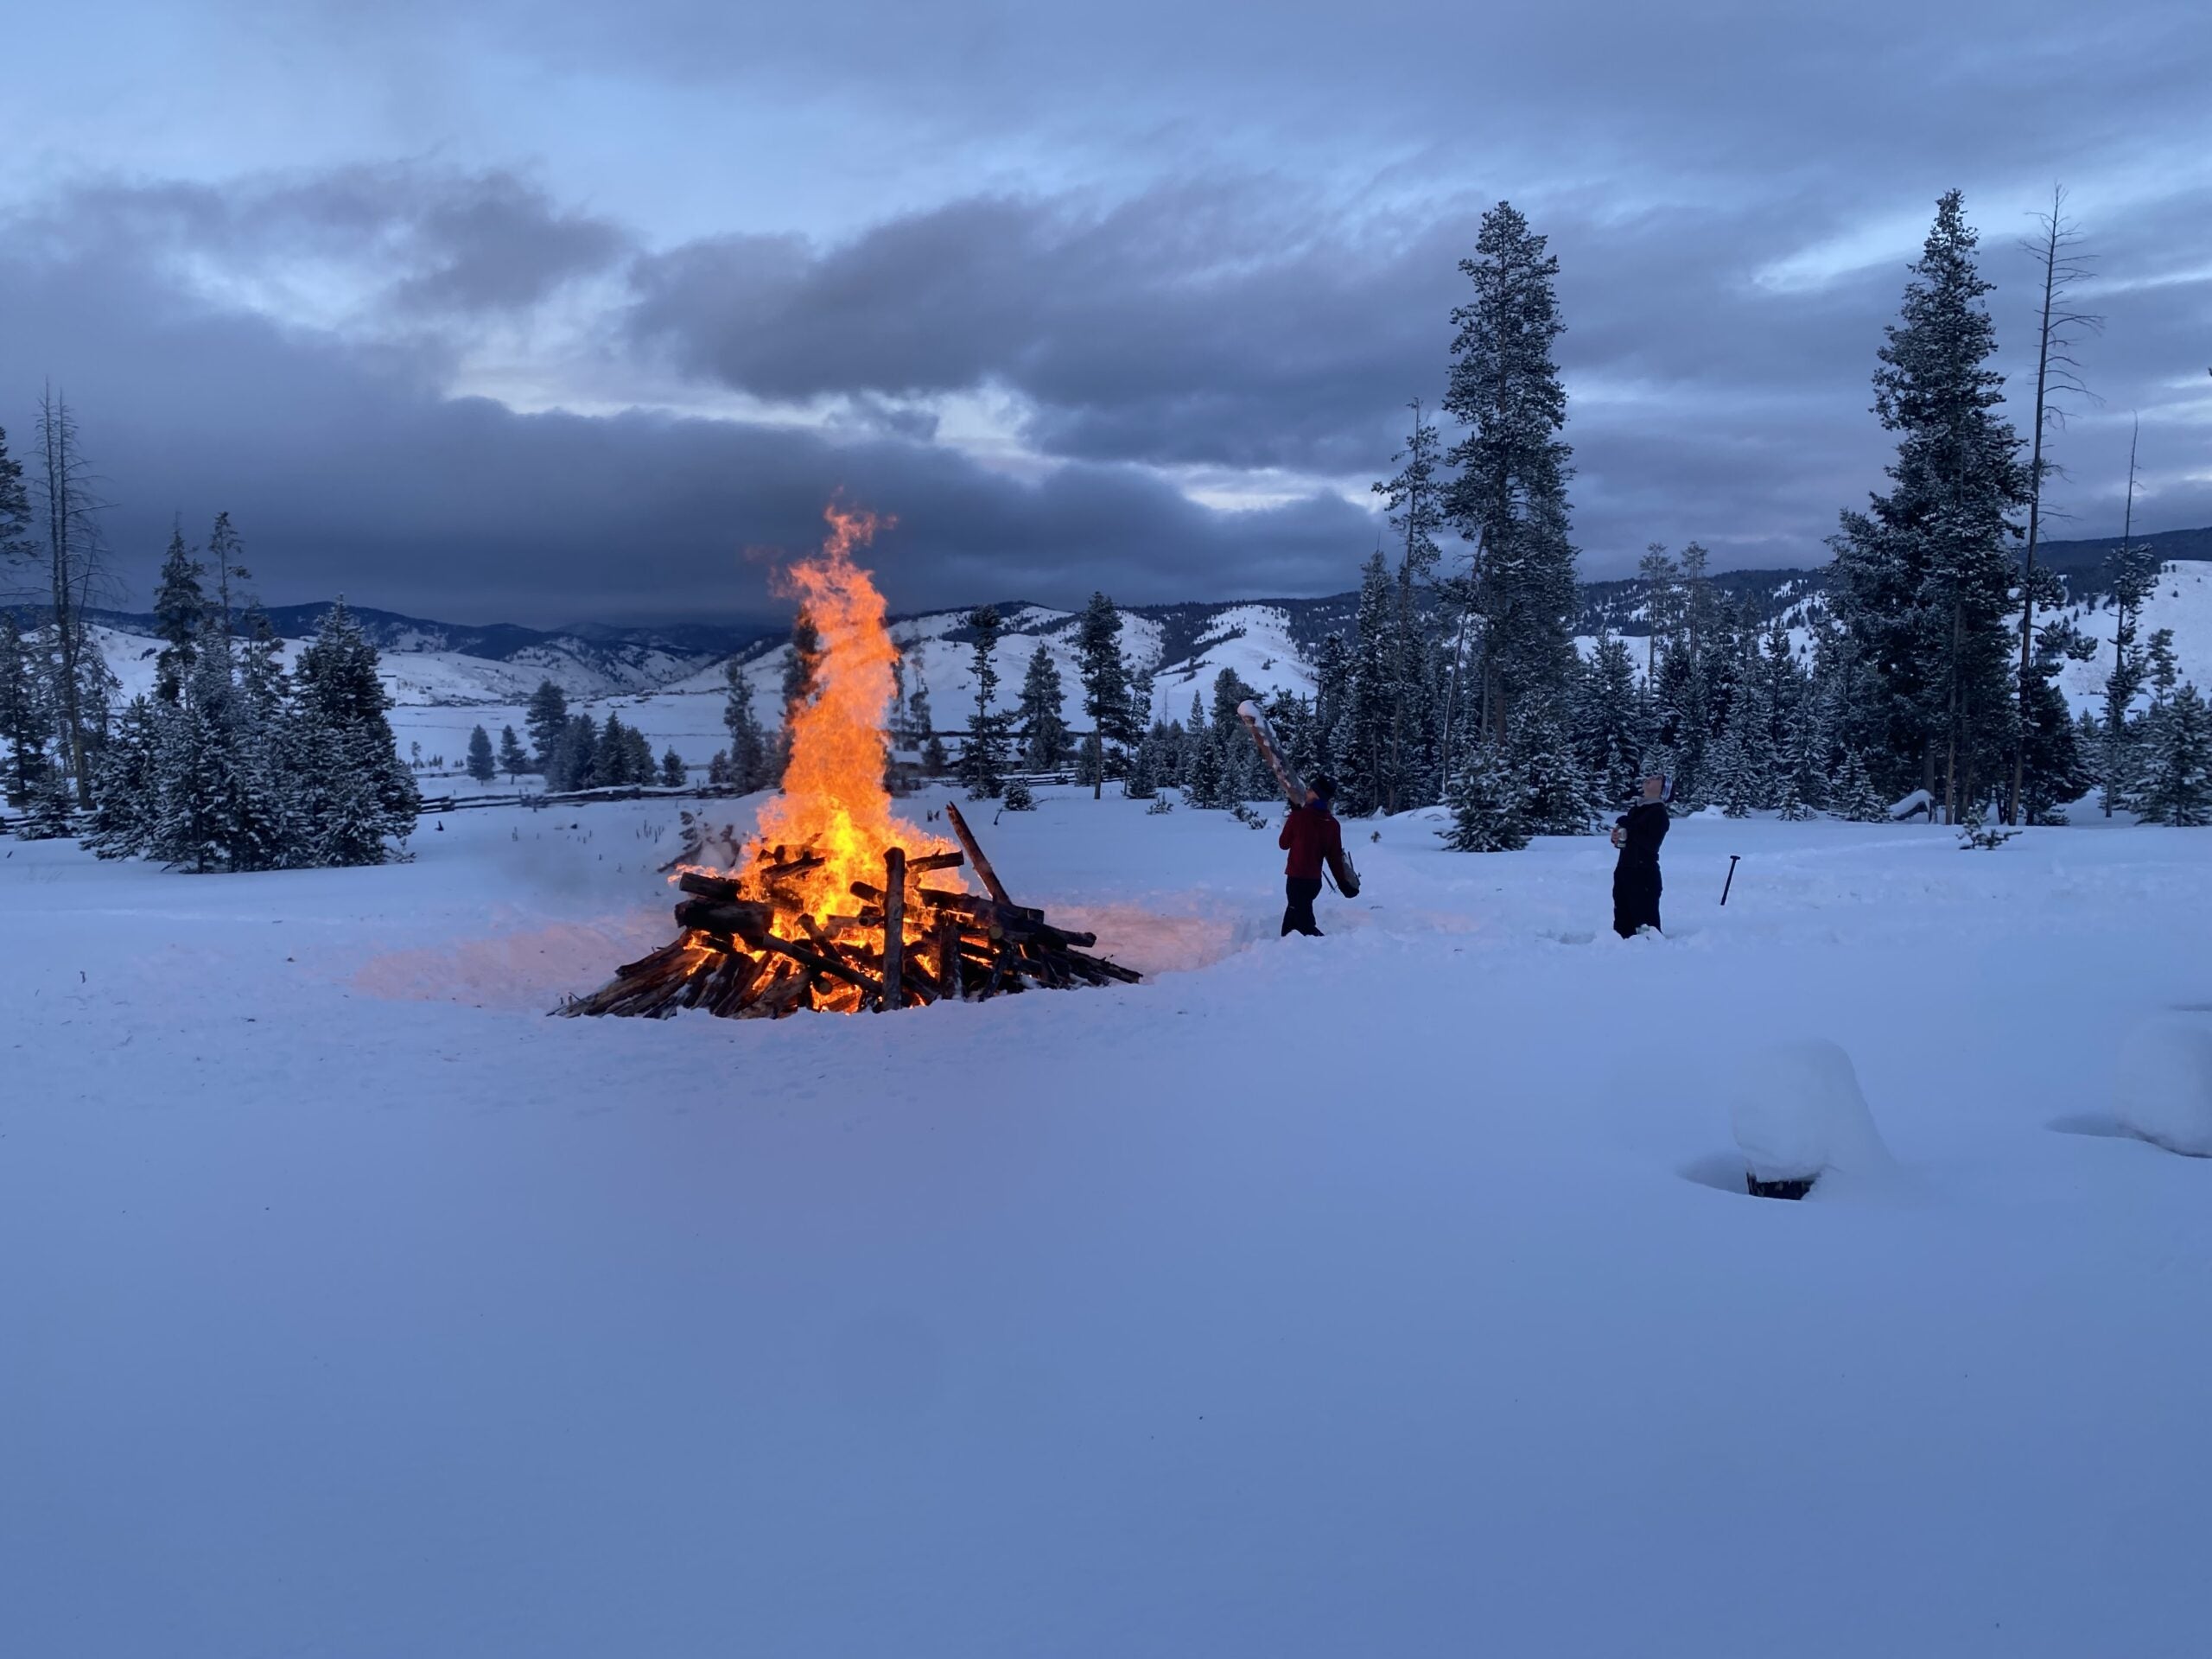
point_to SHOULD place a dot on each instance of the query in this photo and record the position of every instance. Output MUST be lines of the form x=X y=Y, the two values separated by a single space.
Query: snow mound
x=1797 y=1112
x=2164 y=1089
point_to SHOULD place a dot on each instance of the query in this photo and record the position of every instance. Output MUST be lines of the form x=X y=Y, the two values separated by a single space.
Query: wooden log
x=658 y=960
x=1111 y=970
x=739 y=975
x=720 y=887
x=934 y=861
x=815 y=963
x=990 y=877
x=949 y=978
x=747 y=921
x=793 y=867
x=895 y=929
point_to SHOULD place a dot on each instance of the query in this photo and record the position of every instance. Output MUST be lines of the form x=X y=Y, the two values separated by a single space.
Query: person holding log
x=1310 y=835
x=1637 y=833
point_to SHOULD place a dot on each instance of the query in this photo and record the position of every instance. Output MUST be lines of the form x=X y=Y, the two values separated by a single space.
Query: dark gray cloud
x=1207 y=245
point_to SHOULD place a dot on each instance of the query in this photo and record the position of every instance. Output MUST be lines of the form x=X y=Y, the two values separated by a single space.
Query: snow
x=1796 y=1112
x=2182 y=601
x=2164 y=1088
x=1390 y=1292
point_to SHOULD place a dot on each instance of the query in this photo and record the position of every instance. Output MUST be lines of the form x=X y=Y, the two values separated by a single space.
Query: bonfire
x=836 y=903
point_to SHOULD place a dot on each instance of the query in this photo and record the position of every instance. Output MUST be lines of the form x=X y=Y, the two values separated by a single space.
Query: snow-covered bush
x=2163 y=1092
x=1797 y=1112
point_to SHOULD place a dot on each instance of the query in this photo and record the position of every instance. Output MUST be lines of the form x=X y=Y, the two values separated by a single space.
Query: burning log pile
x=752 y=948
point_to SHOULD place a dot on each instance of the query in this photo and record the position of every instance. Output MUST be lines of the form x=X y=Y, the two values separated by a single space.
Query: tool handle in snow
x=1731 y=881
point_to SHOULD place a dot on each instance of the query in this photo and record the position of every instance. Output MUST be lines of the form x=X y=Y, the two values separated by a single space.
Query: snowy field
x=1391 y=1294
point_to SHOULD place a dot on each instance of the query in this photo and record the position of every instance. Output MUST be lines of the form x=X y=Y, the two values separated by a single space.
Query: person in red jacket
x=1310 y=835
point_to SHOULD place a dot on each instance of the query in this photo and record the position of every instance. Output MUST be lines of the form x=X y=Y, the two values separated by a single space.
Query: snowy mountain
x=1269 y=644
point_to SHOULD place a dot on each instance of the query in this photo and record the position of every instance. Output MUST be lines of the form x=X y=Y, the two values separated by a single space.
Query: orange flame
x=834 y=803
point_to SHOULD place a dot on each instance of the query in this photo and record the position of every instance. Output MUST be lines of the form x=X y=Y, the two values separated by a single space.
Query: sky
x=540 y=312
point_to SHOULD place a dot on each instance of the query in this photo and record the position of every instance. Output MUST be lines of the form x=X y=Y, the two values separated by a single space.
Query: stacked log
x=903 y=945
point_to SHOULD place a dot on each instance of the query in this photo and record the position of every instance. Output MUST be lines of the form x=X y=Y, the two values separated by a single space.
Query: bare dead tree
x=2056 y=250
x=70 y=509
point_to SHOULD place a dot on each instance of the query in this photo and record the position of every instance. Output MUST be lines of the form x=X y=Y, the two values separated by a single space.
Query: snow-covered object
x=1797 y=1112
x=2164 y=1089
x=1912 y=805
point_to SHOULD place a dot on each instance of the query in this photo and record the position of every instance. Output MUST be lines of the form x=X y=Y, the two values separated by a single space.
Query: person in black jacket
x=1636 y=877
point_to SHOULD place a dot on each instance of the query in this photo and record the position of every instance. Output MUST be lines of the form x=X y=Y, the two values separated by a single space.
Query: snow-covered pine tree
x=195 y=822
x=360 y=794
x=1208 y=783
x=1804 y=791
x=1608 y=726
x=1331 y=692
x=1018 y=796
x=267 y=821
x=1142 y=783
x=1365 y=781
x=749 y=748
x=547 y=720
x=611 y=756
x=513 y=761
x=1105 y=679
x=638 y=764
x=23 y=725
x=126 y=797
x=2055 y=767
x=1730 y=783
x=2132 y=570
x=1413 y=502
x=673 y=773
x=1557 y=795
x=1488 y=802
x=982 y=756
x=574 y=763
x=1510 y=498
x=483 y=766
x=1041 y=711
x=2176 y=779
x=180 y=612
x=1855 y=796
x=1922 y=583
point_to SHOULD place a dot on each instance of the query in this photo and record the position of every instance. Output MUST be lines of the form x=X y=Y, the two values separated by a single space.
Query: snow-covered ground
x=1388 y=1293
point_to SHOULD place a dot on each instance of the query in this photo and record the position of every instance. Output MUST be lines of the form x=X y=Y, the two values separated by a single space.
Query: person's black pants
x=1635 y=901
x=1298 y=915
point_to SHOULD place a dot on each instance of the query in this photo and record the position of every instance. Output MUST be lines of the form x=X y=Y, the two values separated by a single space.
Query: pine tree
x=481 y=765
x=1147 y=765
x=1510 y=498
x=1414 y=504
x=673 y=774
x=611 y=754
x=1855 y=796
x=359 y=794
x=16 y=546
x=1105 y=679
x=1488 y=814
x=1732 y=783
x=749 y=750
x=2177 y=787
x=982 y=757
x=1608 y=726
x=2132 y=571
x=547 y=722
x=1364 y=779
x=23 y=723
x=513 y=761
x=1044 y=730
x=1923 y=581
x=127 y=798
x=267 y=825
x=1556 y=795
x=180 y=612
x=1018 y=798
x=1208 y=783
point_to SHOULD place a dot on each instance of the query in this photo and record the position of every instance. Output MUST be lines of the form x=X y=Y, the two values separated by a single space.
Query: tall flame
x=833 y=803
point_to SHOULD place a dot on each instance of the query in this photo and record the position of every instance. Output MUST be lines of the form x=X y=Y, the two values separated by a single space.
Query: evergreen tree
x=513 y=761
x=1018 y=798
x=481 y=765
x=16 y=546
x=1855 y=796
x=1488 y=814
x=127 y=798
x=547 y=722
x=1732 y=784
x=1414 y=503
x=982 y=757
x=2176 y=779
x=1923 y=581
x=802 y=671
x=1208 y=783
x=1105 y=679
x=1365 y=780
x=1608 y=726
x=673 y=774
x=1147 y=765
x=1044 y=731
x=195 y=823
x=611 y=754
x=360 y=793
x=1331 y=693
x=1510 y=498
x=1556 y=799
x=266 y=827
x=749 y=752
x=2132 y=571
x=23 y=722
x=180 y=612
